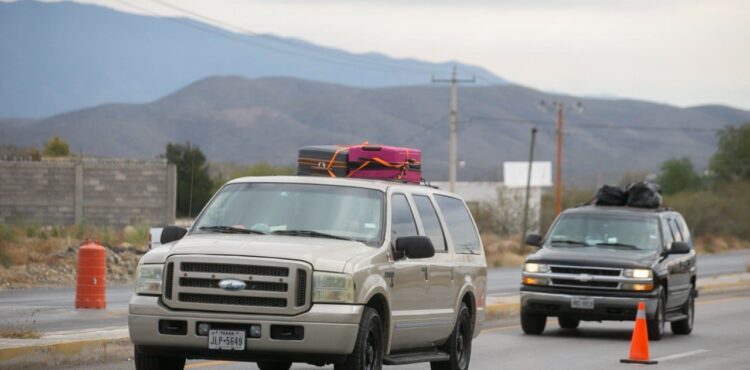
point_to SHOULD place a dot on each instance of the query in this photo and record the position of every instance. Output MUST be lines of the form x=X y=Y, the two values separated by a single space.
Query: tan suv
x=276 y=270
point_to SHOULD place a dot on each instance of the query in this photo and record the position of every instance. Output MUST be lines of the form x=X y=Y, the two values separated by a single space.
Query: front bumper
x=329 y=329
x=617 y=308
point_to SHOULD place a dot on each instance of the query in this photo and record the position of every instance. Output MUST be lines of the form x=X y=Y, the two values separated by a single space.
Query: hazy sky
x=683 y=52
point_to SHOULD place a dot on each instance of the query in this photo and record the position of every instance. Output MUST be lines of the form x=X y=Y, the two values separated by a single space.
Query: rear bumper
x=605 y=307
x=329 y=330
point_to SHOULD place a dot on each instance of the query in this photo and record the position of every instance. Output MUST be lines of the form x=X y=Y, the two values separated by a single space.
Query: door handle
x=425 y=270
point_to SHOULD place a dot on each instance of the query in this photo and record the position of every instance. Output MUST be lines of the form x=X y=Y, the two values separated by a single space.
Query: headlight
x=535 y=267
x=332 y=288
x=148 y=279
x=639 y=273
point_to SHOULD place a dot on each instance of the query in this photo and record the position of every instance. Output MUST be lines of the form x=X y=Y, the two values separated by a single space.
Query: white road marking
x=681 y=355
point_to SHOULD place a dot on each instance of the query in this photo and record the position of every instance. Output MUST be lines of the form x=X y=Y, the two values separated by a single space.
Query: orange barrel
x=90 y=283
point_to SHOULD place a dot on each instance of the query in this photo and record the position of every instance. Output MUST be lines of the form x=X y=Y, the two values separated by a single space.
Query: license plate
x=230 y=340
x=586 y=303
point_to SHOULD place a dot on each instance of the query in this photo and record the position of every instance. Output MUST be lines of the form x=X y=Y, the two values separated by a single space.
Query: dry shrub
x=501 y=251
x=19 y=332
x=706 y=244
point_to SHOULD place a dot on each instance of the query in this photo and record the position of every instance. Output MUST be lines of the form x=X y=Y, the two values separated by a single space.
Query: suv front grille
x=586 y=277
x=233 y=300
x=585 y=270
x=234 y=269
x=249 y=285
x=301 y=291
x=591 y=284
x=272 y=286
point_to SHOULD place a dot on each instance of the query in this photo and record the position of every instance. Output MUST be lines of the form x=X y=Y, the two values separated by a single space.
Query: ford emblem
x=232 y=284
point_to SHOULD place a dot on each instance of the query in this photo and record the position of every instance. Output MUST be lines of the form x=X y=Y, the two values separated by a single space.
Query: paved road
x=51 y=309
x=720 y=341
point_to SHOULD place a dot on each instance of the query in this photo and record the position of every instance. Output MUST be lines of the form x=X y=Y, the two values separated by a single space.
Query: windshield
x=605 y=231
x=307 y=210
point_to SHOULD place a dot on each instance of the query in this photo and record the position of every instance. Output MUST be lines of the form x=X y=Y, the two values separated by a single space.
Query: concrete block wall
x=97 y=192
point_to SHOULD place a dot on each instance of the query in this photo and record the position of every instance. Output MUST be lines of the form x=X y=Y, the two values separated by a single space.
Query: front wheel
x=533 y=324
x=459 y=343
x=685 y=326
x=145 y=361
x=368 y=348
x=274 y=365
x=657 y=325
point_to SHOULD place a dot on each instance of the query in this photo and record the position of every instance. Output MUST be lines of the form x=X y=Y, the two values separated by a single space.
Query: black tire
x=458 y=345
x=274 y=365
x=685 y=327
x=533 y=324
x=568 y=322
x=369 y=347
x=145 y=361
x=657 y=325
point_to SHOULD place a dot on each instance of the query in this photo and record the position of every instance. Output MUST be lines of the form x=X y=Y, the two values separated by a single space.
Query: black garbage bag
x=644 y=195
x=609 y=195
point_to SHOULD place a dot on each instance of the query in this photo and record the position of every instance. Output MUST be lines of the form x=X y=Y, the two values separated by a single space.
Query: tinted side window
x=685 y=231
x=430 y=222
x=402 y=220
x=675 y=230
x=460 y=225
x=668 y=237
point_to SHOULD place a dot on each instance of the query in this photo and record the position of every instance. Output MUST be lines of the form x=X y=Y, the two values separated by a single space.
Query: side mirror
x=172 y=233
x=534 y=240
x=680 y=248
x=415 y=247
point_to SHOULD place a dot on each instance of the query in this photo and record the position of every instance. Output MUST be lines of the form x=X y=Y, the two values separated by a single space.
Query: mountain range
x=62 y=56
x=236 y=119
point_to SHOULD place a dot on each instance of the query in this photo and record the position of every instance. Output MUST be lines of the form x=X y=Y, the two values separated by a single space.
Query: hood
x=604 y=257
x=323 y=254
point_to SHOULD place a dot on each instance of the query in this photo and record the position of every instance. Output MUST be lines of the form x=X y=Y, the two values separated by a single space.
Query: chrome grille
x=249 y=285
x=586 y=277
x=234 y=269
x=168 y=284
x=233 y=300
x=585 y=270
x=272 y=286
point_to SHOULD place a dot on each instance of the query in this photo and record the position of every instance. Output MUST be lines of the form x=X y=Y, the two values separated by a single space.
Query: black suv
x=597 y=262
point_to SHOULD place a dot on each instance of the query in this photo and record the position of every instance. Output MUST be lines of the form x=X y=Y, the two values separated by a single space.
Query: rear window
x=460 y=225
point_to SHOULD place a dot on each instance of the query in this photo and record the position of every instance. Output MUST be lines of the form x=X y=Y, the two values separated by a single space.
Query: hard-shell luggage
x=323 y=160
x=385 y=163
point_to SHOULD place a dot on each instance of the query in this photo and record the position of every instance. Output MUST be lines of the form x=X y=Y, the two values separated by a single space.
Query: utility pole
x=559 y=107
x=453 y=145
x=528 y=187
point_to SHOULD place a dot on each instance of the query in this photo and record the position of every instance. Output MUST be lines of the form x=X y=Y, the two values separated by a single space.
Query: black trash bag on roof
x=644 y=195
x=609 y=195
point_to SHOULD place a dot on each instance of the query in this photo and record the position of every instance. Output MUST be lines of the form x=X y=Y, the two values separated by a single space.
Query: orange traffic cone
x=639 y=342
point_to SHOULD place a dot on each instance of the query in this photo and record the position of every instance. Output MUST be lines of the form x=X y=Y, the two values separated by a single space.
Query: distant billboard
x=515 y=174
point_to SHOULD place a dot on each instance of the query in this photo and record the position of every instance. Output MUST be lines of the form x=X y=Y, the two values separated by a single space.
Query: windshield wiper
x=310 y=233
x=230 y=230
x=617 y=245
x=572 y=242
x=468 y=249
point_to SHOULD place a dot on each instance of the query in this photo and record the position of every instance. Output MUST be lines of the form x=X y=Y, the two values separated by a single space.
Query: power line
x=314 y=49
x=453 y=144
x=231 y=36
x=594 y=126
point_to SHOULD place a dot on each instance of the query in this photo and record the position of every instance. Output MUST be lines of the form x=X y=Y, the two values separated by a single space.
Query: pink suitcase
x=385 y=163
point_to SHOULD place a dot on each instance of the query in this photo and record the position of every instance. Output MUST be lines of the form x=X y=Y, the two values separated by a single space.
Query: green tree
x=677 y=175
x=732 y=159
x=193 y=182
x=56 y=147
